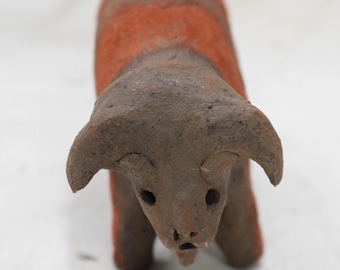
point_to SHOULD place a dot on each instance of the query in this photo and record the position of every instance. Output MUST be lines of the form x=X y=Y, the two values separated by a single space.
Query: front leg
x=239 y=234
x=133 y=235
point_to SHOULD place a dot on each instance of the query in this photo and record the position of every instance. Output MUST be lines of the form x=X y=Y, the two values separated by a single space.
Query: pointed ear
x=137 y=166
x=217 y=163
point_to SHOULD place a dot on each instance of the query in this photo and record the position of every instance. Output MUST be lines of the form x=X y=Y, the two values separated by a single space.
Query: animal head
x=182 y=198
x=175 y=130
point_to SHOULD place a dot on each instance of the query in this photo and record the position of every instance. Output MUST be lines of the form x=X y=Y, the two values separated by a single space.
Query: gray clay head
x=175 y=130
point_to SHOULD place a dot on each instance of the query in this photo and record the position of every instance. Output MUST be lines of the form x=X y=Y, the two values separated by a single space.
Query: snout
x=185 y=241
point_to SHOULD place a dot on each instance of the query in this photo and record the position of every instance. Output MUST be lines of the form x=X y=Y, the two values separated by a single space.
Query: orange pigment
x=136 y=29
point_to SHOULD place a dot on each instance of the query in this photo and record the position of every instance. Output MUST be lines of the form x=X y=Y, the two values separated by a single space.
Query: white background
x=289 y=52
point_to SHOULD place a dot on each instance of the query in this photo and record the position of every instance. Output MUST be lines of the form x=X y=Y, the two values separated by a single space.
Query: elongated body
x=173 y=125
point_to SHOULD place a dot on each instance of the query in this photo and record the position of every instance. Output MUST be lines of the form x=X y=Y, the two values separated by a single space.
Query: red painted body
x=131 y=29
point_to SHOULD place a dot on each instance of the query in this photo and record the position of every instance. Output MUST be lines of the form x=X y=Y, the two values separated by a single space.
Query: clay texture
x=176 y=132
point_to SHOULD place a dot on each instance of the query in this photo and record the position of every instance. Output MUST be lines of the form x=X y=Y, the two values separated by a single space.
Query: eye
x=148 y=197
x=212 y=197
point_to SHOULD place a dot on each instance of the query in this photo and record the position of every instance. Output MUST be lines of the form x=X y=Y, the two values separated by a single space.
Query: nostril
x=176 y=235
x=187 y=246
x=193 y=234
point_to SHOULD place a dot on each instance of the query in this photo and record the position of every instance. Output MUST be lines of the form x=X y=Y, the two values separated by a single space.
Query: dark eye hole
x=148 y=197
x=212 y=197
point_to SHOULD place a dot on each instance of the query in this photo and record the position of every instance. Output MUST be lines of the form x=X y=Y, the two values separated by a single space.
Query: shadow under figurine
x=173 y=126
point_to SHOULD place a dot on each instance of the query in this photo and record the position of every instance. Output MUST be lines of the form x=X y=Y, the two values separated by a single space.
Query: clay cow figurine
x=174 y=127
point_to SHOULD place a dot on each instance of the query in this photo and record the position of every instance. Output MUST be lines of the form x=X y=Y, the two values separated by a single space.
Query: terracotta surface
x=175 y=129
x=291 y=71
x=135 y=28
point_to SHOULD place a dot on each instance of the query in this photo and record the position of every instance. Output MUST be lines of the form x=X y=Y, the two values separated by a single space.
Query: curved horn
x=81 y=166
x=234 y=125
x=111 y=140
x=248 y=132
x=264 y=146
x=88 y=154
x=112 y=132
